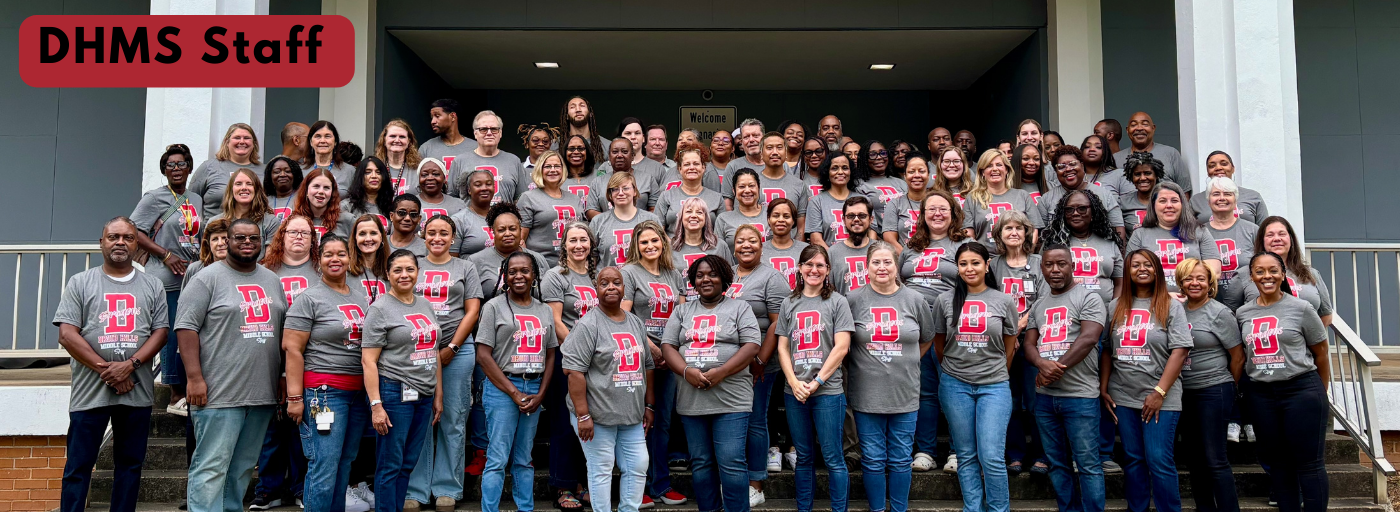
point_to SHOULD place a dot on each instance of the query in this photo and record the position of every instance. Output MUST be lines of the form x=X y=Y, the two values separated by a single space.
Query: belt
x=531 y=376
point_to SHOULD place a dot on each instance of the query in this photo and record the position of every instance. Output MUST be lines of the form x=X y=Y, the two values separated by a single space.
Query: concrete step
x=1347 y=481
x=162 y=453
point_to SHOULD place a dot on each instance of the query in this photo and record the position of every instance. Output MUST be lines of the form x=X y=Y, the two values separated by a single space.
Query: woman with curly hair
x=504 y=221
x=569 y=292
x=1080 y=221
x=1069 y=168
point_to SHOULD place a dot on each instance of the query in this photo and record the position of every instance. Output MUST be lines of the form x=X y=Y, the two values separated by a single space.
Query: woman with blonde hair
x=548 y=207
x=398 y=148
x=993 y=195
x=1208 y=385
x=238 y=150
x=615 y=228
x=245 y=199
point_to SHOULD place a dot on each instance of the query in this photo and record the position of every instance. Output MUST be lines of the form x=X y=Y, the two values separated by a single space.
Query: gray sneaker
x=1111 y=468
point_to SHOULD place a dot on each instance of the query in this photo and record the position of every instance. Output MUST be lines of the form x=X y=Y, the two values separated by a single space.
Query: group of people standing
x=443 y=297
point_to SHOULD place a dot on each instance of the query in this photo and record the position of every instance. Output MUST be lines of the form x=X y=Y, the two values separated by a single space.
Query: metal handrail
x=1352 y=398
x=43 y=287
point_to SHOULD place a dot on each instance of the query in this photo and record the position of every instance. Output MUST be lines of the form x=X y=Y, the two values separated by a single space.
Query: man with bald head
x=967 y=141
x=294 y=140
x=939 y=138
x=1111 y=131
x=829 y=130
x=1141 y=131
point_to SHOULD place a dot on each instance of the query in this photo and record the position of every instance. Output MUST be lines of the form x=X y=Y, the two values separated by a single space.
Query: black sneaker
x=264 y=502
x=184 y=504
x=679 y=465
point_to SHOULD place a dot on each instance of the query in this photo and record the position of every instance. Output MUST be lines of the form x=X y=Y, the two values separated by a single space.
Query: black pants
x=566 y=462
x=1290 y=420
x=1205 y=416
x=130 y=428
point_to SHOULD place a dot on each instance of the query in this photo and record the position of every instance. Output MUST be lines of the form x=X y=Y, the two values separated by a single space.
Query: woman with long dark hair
x=245 y=199
x=1081 y=222
x=369 y=191
x=321 y=153
x=1029 y=163
x=282 y=178
x=1171 y=231
x=825 y=223
x=1099 y=166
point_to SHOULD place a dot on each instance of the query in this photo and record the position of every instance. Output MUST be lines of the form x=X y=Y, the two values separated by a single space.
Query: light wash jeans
x=228 y=441
x=329 y=454
x=441 y=466
x=977 y=419
x=625 y=445
x=512 y=436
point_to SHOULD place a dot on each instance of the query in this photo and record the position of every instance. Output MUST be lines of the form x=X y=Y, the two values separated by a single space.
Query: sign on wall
x=708 y=120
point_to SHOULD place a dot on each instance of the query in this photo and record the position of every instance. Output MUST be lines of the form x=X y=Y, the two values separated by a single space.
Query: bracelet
x=584 y=418
x=1159 y=390
x=820 y=380
x=293 y=398
x=650 y=409
x=165 y=258
x=760 y=362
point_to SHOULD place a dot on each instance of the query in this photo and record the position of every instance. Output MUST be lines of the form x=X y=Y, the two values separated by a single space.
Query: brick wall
x=31 y=472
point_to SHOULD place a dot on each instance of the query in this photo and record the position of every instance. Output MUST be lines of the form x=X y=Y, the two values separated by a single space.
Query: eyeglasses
x=810 y=152
x=857 y=216
x=939 y=210
x=407 y=213
x=1077 y=210
x=539 y=140
x=575 y=150
x=246 y=238
x=299 y=234
x=489 y=129
x=177 y=165
x=725 y=140
x=879 y=154
x=1071 y=165
x=813 y=265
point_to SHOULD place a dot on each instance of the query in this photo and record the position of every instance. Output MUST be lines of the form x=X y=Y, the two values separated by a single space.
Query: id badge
x=324 y=419
x=410 y=394
x=1029 y=287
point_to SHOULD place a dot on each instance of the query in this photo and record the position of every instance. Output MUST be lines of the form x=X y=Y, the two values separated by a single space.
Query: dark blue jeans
x=1069 y=431
x=1022 y=436
x=130 y=428
x=1149 y=465
x=282 y=463
x=719 y=471
x=476 y=421
x=566 y=461
x=172 y=368
x=926 y=430
x=1290 y=420
x=1205 y=414
x=331 y=452
x=819 y=422
x=398 y=451
x=659 y=437
x=886 y=458
x=757 y=445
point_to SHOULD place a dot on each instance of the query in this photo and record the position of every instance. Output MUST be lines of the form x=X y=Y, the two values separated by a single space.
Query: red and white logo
x=120 y=316
x=496 y=173
x=490 y=236
x=434 y=287
x=663 y=300
x=994 y=211
x=1035 y=196
x=354 y=322
x=447 y=160
x=1086 y=261
x=884 y=324
x=787 y=266
x=424 y=333
x=1263 y=334
x=1016 y=288
x=815 y=190
x=563 y=213
x=672 y=184
x=1134 y=333
x=703 y=330
x=807 y=334
x=1229 y=254
x=282 y=212
x=1171 y=251
x=293 y=286
x=530 y=337
x=838 y=228
x=621 y=239
x=579 y=190
x=628 y=355
x=769 y=194
x=855 y=272
x=690 y=259
x=928 y=262
x=256 y=306
x=911 y=222
x=888 y=194
x=373 y=288
x=974 y=318
x=191 y=228
x=429 y=213
x=735 y=291
x=1141 y=216
x=1056 y=329
x=587 y=298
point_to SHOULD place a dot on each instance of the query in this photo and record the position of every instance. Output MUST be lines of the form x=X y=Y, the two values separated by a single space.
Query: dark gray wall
x=1139 y=64
x=1016 y=88
x=408 y=88
x=285 y=105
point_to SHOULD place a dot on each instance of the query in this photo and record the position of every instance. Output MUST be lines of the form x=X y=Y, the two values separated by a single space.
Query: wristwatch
x=454 y=348
x=135 y=362
x=373 y=403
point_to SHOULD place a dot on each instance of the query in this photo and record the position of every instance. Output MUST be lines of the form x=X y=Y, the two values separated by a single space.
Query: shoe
x=671 y=497
x=952 y=465
x=184 y=504
x=1041 y=468
x=264 y=502
x=791 y=458
x=1249 y=433
x=478 y=463
x=179 y=408
x=756 y=497
x=678 y=465
x=1232 y=432
x=922 y=462
x=852 y=459
x=411 y=505
x=775 y=459
x=1111 y=468
x=300 y=504
x=366 y=495
x=1273 y=502
x=1073 y=465
x=353 y=502
x=445 y=504
x=646 y=503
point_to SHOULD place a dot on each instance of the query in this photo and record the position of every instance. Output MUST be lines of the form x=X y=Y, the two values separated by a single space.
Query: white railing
x=41 y=272
x=1364 y=280
x=1353 y=399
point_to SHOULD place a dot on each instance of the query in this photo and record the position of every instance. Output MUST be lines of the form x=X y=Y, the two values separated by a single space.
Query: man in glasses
x=509 y=173
x=112 y=320
x=848 y=269
x=229 y=326
x=450 y=141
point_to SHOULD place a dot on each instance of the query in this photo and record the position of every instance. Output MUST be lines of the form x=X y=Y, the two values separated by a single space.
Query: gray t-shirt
x=342 y=173
x=715 y=179
x=510 y=175
x=438 y=149
x=449 y=206
x=614 y=358
x=824 y=216
x=409 y=336
x=1097 y=262
x=1058 y=319
x=668 y=206
x=371 y=285
x=488 y=264
x=884 y=357
x=784 y=260
x=931 y=271
x=296 y=279
x=1243 y=291
x=810 y=324
x=653 y=297
x=1172 y=250
x=1052 y=196
x=1024 y=283
x=706 y=339
x=179 y=234
x=190 y=271
x=728 y=222
x=238 y=317
x=1140 y=348
x=1175 y=167
x=1114 y=180
x=1249 y=206
x=848 y=266
x=209 y=181
x=789 y=186
x=546 y=217
x=975 y=350
x=682 y=258
x=901 y=216
x=1276 y=338
x=518 y=336
x=447 y=288
x=982 y=218
x=647 y=174
x=1214 y=331
x=614 y=235
x=739 y=162
x=573 y=290
x=473 y=234
x=116 y=318
x=887 y=188
x=764 y=289
x=1236 y=246
x=335 y=322
x=417 y=246
x=1134 y=211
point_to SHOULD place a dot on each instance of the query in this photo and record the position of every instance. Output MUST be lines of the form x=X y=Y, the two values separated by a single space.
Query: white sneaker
x=952 y=465
x=775 y=459
x=179 y=408
x=366 y=495
x=353 y=503
x=923 y=462
x=756 y=497
x=301 y=504
x=1249 y=433
x=791 y=457
x=1232 y=432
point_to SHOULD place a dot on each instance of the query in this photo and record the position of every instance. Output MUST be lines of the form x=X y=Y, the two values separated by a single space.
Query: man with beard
x=229 y=327
x=577 y=119
x=1141 y=132
x=449 y=141
x=939 y=138
x=112 y=320
x=848 y=268
x=1112 y=131
x=829 y=130
x=968 y=143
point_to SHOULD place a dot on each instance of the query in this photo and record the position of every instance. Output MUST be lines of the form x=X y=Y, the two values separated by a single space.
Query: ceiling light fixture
x=882 y=67
x=547 y=65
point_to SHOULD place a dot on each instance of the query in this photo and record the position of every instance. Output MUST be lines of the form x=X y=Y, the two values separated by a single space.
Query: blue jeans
x=440 y=467
x=659 y=437
x=719 y=472
x=1205 y=415
x=567 y=465
x=818 y=422
x=887 y=458
x=329 y=453
x=476 y=422
x=130 y=427
x=282 y=464
x=227 y=443
x=1069 y=430
x=977 y=418
x=172 y=368
x=397 y=452
x=926 y=433
x=1022 y=437
x=757 y=446
x=625 y=445
x=1149 y=465
x=512 y=435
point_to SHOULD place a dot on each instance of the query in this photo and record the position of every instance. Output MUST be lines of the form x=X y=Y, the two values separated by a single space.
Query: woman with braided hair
x=537 y=139
x=1081 y=223
x=569 y=292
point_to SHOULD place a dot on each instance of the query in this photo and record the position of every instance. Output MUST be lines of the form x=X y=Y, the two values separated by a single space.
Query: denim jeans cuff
x=758 y=476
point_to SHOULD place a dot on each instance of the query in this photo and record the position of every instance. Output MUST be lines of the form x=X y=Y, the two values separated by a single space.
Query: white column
x=1237 y=83
x=1076 y=67
x=351 y=107
x=198 y=117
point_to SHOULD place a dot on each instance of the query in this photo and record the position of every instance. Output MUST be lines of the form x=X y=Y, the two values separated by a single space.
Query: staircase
x=1352 y=484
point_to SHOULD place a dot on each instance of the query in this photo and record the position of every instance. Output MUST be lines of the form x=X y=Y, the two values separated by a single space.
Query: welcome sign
x=708 y=120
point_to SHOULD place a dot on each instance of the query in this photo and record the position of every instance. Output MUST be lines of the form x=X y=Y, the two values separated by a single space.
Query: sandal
x=1040 y=468
x=585 y=498
x=567 y=501
x=1014 y=468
